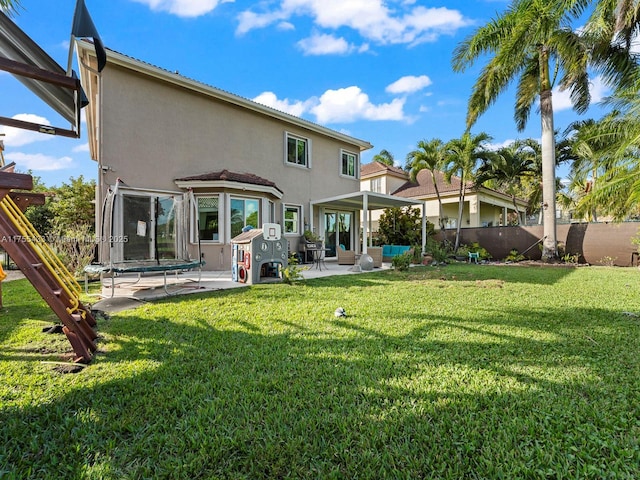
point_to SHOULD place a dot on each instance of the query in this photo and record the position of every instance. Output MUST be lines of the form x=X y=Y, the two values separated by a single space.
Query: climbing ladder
x=45 y=271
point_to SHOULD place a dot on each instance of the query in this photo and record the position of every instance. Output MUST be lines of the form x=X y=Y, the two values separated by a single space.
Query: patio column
x=365 y=211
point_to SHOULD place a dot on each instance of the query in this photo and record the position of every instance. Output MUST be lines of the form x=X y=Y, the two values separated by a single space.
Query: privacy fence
x=594 y=243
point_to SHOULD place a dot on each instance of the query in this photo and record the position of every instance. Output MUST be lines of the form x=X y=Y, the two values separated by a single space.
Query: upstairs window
x=349 y=166
x=297 y=151
x=376 y=185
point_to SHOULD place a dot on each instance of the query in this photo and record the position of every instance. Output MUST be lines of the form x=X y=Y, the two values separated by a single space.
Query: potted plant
x=310 y=237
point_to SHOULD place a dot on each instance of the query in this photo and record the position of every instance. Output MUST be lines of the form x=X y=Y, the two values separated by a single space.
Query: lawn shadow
x=195 y=398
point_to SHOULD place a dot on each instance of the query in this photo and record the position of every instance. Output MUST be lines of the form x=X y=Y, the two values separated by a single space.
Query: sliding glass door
x=338 y=231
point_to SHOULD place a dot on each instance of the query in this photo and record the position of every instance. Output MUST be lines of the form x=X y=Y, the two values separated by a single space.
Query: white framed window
x=297 y=150
x=292 y=216
x=245 y=212
x=349 y=164
x=208 y=213
x=376 y=185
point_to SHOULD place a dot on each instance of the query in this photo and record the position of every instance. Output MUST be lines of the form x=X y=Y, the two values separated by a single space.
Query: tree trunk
x=440 y=211
x=549 y=244
x=515 y=206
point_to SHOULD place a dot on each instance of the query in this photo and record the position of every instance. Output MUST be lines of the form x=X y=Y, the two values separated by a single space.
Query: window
x=297 y=151
x=292 y=219
x=209 y=218
x=349 y=166
x=376 y=185
x=244 y=213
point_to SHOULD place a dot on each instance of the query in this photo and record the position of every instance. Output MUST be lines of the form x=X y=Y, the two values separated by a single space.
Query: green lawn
x=461 y=372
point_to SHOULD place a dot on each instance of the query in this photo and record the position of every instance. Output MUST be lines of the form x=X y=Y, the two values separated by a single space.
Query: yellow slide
x=2 y=274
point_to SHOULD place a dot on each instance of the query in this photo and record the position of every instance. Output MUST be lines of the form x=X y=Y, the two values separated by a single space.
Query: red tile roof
x=226 y=175
x=377 y=168
x=423 y=186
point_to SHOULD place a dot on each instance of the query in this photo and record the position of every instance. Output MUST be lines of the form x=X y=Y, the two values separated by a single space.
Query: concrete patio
x=152 y=286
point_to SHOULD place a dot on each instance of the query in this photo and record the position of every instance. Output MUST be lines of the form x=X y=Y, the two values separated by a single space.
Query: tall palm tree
x=462 y=156
x=616 y=19
x=385 y=157
x=508 y=169
x=9 y=6
x=534 y=43
x=429 y=155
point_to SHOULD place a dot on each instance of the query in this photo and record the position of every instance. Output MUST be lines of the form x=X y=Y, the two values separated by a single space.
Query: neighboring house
x=483 y=207
x=164 y=135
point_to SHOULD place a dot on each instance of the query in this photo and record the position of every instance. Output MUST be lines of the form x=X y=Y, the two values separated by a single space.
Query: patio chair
x=345 y=257
x=376 y=255
x=474 y=257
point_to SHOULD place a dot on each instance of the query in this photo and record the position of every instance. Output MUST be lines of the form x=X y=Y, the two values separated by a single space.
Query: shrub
x=402 y=262
x=293 y=272
x=482 y=252
x=514 y=256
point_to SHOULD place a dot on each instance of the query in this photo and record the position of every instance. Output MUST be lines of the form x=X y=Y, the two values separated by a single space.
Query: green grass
x=461 y=372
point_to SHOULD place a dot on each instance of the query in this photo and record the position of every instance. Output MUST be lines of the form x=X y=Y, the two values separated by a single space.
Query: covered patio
x=363 y=203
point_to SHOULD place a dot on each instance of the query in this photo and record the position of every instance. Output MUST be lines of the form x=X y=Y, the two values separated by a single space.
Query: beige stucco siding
x=158 y=132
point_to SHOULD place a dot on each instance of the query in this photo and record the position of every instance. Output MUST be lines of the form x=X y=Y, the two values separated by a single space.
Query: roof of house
x=85 y=47
x=424 y=187
x=377 y=168
x=226 y=175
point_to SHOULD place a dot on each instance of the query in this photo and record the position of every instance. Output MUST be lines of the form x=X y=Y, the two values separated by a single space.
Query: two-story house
x=157 y=135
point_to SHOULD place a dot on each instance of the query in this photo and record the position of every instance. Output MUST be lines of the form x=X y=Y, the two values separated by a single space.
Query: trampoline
x=140 y=268
x=144 y=232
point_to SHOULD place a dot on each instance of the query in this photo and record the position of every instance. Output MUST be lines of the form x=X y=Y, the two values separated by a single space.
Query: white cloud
x=38 y=161
x=343 y=105
x=184 y=8
x=351 y=104
x=285 y=26
x=296 y=108
x=562 y=99
x=17 y=137
x=497 y=146
x=248 y=20
x=81 y=148
x=324 y=44
x=409 y=84
x=372 y=19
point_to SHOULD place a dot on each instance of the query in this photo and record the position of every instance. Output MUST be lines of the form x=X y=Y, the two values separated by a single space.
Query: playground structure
x=61 y=90
x=42 y=267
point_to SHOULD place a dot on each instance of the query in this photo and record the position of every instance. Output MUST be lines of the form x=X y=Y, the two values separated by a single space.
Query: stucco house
x=483 y=207
x=156 y=134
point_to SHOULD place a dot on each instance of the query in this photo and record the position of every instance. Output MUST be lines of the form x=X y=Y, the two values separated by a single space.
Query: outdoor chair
x=474 y=257
x=345 y=257
x=376 y=255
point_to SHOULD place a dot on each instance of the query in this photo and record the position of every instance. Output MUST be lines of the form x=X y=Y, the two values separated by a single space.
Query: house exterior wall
x=153 y=132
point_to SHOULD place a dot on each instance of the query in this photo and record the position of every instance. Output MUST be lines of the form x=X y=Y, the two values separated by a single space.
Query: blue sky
x=377 y=70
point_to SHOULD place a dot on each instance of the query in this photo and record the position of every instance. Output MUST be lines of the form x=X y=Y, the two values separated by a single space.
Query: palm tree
x=617 y=190
x=429 y=155
x=385 y=157
x=9 y=6
x=462 y=155
x=507 y=170
x=533 y=41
